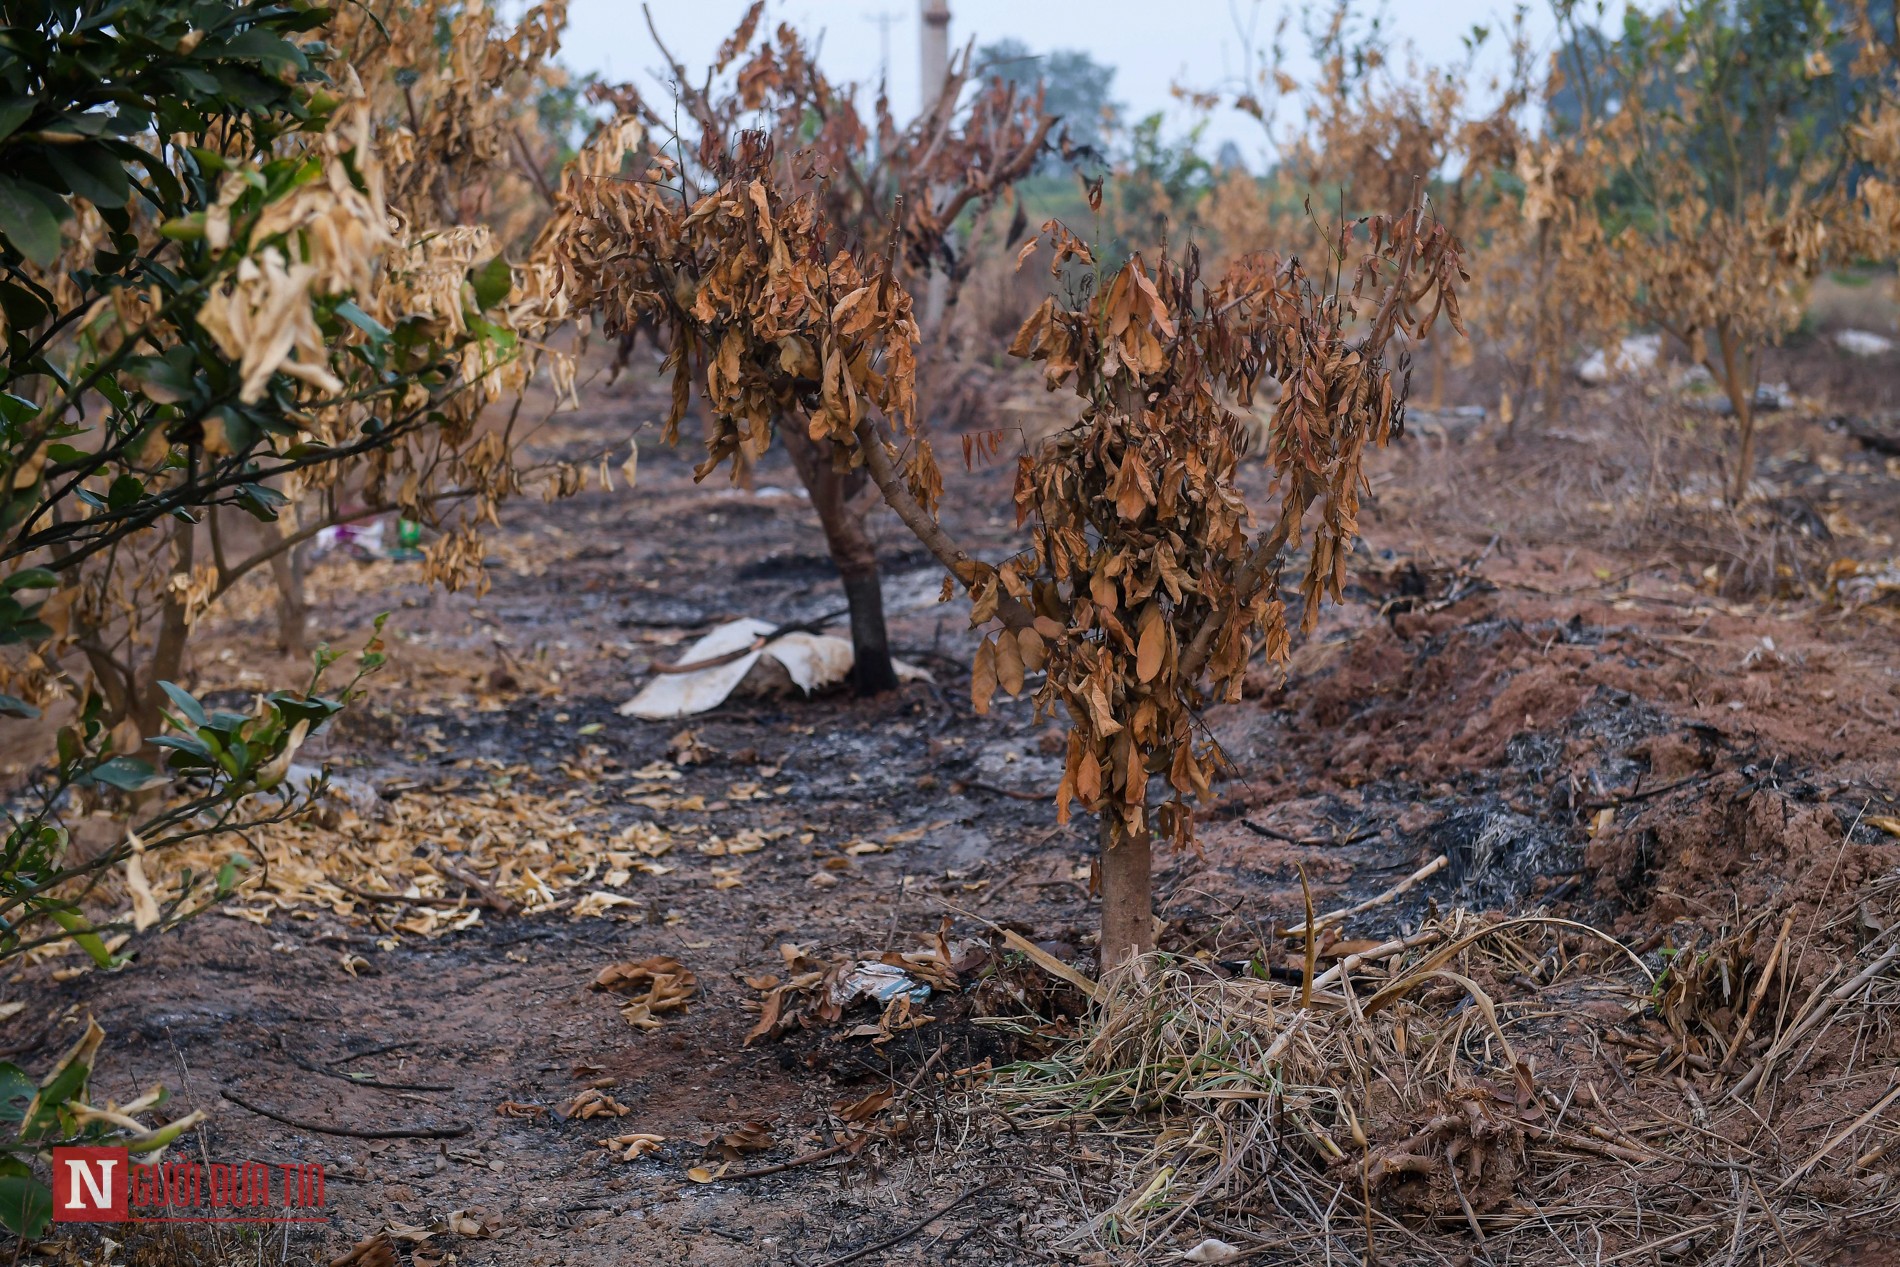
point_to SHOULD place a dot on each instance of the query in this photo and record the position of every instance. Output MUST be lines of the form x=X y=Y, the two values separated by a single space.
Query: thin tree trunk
x=293 y=610
x=1745 y=456
x=1737 y=372
x=842 y=515
x=168 y=652
x=1128 y=920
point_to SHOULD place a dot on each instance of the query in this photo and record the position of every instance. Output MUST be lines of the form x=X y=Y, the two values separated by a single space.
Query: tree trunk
x=293 y=610
x=841 y=512
x=1128 y=919
x=168 y=651
x=1737 y=373
x=1745 y=455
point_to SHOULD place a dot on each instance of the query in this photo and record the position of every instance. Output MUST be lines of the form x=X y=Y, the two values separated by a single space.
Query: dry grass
x=1635 y=472
x=1491 y=1091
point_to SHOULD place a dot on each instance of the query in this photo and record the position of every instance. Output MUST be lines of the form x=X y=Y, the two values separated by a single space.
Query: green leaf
x=369 y=325
x=26 y=1206
x=124 y=491
x=194 y=711
x=189 y=228
x=128 y=774
x=81 y=932
x=262 y=46
x=29 y=579
x=260 y=501
x=23 y=308
x=160 y=379
x=29 y=220
x=13 y=112
x=91 y=171
x=184 y=743
x=16 y=1091
x=67 y=1081
x=17 y=410
x=228 y=873
x=492 y=282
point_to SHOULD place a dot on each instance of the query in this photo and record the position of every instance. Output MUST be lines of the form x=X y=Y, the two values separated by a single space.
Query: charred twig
x=977 y=785
x=381 y=1049
x=1309 y=842
x=367 y=1081
x=759 y=1172
x=489 y=898
x=899 y=1237
x=1410 y=882
x=452 y=1131
x=397 y=899
x=1647 y=793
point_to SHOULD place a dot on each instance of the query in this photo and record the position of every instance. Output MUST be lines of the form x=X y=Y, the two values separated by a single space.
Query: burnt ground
x=1498 y=681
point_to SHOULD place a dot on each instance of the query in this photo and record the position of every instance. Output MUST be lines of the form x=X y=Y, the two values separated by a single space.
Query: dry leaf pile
x=591 y=1103
x=652 y=988
x=432 y=861
x=817 y=995
x=631 y=1147
x=1856 y=585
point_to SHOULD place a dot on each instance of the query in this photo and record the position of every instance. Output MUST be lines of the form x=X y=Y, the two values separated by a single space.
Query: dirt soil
x=1569 y=714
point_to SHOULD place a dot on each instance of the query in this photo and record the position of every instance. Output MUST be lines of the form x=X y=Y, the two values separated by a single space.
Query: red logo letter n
x=89 y=1185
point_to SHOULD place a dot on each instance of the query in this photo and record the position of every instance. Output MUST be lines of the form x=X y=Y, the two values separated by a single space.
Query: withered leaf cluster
x=1149 y=585
x=756 y=302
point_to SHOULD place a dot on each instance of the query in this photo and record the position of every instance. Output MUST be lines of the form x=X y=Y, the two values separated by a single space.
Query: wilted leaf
x=1009 y=663
x=983 y=677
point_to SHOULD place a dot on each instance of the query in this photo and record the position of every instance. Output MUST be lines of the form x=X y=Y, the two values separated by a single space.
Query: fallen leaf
x=667 y=986
x=741 y=1137
x=475 y=1223
x=376 y=1251
x=592 y=1103
x=632 y=1147
x=863 y=1110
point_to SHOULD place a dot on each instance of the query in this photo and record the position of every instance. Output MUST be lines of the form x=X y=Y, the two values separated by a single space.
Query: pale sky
x=1151 y=44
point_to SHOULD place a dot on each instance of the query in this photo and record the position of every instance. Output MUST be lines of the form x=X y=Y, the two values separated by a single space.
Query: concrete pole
x=934 y=48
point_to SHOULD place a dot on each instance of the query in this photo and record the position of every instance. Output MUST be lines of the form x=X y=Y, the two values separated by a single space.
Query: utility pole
x=934 y=46
x=884 y=18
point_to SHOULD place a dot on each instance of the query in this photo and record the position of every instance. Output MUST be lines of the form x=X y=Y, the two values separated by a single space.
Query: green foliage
x=1076 y=88
x=1753 y=95
x=191 y=224
x=1158 y=189
x=81 y=81
x=146 y=111
x=225 y=772
x=54 y=1112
